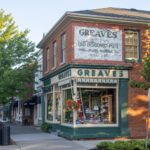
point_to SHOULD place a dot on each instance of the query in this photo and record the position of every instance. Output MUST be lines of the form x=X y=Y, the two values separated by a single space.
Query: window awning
x=33 y=101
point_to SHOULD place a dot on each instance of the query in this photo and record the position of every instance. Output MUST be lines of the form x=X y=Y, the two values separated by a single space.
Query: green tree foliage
x=146 y=64
x=146 y=58
x=17 y=60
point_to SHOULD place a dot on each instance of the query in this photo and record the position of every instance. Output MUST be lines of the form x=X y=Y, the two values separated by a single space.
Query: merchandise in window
x=67 y=113
x=93 y=106
x=50 y=107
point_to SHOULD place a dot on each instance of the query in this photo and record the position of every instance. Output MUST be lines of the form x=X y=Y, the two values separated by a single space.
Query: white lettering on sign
x=89 y=75
x=98 y=44
x=101 y=73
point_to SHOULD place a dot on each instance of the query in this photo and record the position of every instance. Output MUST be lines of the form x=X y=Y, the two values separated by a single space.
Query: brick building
x=89 y=57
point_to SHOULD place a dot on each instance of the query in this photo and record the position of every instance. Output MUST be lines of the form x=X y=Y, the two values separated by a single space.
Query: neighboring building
x=38 y=88
x=89 y=56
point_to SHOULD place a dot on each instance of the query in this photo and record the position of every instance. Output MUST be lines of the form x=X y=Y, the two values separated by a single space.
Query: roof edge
x=87 y=16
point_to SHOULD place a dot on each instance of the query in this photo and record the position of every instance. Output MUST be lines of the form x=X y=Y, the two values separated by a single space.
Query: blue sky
x=40 y=15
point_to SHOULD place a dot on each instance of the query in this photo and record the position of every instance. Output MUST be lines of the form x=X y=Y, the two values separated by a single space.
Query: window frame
x=63 y=47
x=47 y=59
x=54 y=48
x=138 y=46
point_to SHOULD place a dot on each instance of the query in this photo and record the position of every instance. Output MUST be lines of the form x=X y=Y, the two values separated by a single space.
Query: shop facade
x=88 y=61
x=101 y=98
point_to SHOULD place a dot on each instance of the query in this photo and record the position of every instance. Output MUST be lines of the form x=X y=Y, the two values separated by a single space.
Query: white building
x=38 y=88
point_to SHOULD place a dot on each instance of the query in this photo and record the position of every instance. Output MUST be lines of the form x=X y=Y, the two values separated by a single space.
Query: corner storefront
x=87 y=101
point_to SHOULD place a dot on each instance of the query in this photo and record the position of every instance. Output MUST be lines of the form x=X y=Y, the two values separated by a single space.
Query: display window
x=58 y=106
x=50 y=106
x=67 y=113
x=96 y=106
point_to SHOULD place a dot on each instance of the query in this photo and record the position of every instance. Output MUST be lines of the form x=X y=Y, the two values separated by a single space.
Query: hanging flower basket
x=72 y=105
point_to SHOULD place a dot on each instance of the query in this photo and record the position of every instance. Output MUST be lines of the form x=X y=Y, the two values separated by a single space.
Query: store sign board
x=88 y=73
x=98 y=43
x=64 y=75
x=101 y=73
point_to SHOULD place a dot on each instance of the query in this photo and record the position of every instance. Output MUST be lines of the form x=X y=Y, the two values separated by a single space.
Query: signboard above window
x=98 y=43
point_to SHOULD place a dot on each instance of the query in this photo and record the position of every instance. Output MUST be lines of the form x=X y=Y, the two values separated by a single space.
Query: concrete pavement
x=31 y=138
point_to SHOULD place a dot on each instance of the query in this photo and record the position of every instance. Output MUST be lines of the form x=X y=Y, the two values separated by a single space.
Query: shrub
x=105 y=146
x=46 y=127
x=122 y=145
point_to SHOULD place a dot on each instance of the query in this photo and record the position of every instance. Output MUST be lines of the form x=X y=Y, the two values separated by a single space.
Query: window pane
x=131 y=45
x=67 y=114
x=63 y=47
x=49 y=106
x=98 y=106
x=47 y=59
x=54 y=55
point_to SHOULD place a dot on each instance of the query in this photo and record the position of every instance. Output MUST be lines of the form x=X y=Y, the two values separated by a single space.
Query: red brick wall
x=137 y=99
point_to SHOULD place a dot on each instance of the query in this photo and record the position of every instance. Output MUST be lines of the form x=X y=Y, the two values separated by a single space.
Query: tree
x=146 y=64
x=17 y=60
x=146 y=58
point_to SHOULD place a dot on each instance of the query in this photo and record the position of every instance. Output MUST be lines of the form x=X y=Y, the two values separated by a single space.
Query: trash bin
x=4 y=134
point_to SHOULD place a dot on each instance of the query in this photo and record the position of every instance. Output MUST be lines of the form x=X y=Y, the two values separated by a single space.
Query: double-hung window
x=132 y=45
x=54 y=55
x=47 y=59
x=63 y=47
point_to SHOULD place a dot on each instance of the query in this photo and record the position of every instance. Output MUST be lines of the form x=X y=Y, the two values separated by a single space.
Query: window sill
x=53 y=68
x=132 y=60
x=62 y=63
x=46 y=72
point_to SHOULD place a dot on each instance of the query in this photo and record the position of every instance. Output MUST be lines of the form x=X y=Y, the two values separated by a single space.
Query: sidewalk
x=31 y=138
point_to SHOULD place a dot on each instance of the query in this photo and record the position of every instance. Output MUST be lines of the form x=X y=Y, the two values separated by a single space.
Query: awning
x=33 y=101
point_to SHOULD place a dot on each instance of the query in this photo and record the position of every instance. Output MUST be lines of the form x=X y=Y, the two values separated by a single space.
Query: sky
x=39 y=16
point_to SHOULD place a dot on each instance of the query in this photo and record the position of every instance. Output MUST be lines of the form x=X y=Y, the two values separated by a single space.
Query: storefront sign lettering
x=65 y=77
x=65 y=74
x=98 y=43
x=102 y=73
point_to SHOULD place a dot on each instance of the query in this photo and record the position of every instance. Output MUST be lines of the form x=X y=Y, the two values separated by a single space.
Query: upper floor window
x=63 y=47
x=54 y=55
x=47 y=59
x=132 y=45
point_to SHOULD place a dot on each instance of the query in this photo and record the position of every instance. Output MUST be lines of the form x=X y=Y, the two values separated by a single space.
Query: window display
x=67 y=113
x=49 y=106
x=96 y=106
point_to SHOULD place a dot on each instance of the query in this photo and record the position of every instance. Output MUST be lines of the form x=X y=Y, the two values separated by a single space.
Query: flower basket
x=72 y=105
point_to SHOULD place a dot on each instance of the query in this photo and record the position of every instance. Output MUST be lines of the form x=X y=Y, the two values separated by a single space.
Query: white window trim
x=138 y=46
x=96 y=125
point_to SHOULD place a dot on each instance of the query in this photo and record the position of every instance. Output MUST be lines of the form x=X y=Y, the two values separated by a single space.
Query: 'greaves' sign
x=98 y=44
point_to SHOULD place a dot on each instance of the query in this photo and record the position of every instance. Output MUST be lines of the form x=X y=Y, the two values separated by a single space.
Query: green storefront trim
x=99 y=132
x=46 y=79
x=104 y=132
x=88 y=133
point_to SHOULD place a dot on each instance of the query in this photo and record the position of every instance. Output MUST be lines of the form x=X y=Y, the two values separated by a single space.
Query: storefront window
x=98 y=106
x=50 y=106
x=58 y=101
x=67 y=114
